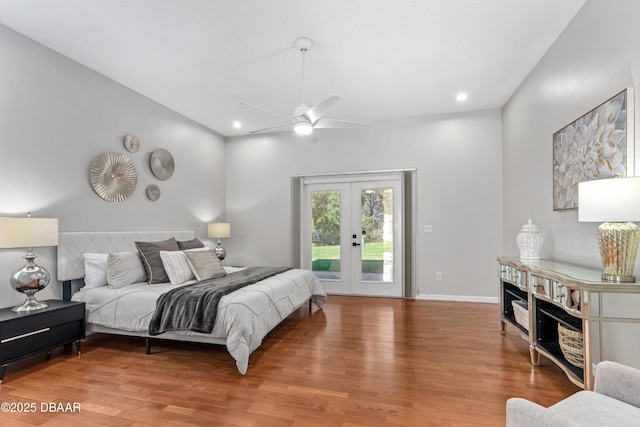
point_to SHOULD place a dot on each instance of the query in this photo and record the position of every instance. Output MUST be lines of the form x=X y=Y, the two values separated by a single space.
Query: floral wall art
x=598 y=145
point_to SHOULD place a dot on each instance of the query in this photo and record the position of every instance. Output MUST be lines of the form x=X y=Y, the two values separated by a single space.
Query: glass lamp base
x=30 y=304
x=30 y=279
x=220 y=252
x=618 y=279
x=618 y=243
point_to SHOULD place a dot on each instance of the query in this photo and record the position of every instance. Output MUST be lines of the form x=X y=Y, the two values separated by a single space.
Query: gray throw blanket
x=195 y=307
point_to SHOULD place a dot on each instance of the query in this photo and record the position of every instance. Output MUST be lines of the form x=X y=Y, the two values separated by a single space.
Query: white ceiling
x=387 y=59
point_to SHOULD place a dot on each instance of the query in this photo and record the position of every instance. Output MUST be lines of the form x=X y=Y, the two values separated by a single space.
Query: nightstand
x=26 y=334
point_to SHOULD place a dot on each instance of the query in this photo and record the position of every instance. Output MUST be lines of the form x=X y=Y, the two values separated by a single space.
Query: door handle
x=356 y=244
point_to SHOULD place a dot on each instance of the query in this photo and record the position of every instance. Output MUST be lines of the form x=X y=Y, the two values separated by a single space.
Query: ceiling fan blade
x=259 y=108
x=339 y=124
x=273 y=129
x=314 y=113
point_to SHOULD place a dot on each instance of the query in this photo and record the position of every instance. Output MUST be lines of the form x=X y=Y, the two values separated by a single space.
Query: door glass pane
x=377 y=234
x=325 y=234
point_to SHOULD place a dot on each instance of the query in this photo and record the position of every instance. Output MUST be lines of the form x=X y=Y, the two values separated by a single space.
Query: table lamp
x=219 y=230
x=29 y=233
x=615 y=202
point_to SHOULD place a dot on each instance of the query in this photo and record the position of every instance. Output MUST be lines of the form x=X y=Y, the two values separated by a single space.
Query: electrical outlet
x=428 y=229
x=438 y=276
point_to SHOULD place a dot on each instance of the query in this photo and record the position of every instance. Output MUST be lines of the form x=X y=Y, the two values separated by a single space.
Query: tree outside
x=376 y=205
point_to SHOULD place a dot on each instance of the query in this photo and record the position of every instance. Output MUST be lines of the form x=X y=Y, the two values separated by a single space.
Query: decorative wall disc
x=131 y=143
x=162 y=164
x=153 y=192
x=113 y=177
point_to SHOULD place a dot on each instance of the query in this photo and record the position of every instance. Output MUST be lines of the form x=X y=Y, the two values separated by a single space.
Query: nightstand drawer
x=19 y=324
x=26 y=334
x=39 y=340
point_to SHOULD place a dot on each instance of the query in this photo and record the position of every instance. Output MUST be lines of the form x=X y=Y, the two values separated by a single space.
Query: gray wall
x=480 y=175
x=459 y=193
x=596 y=57
x=56 y=116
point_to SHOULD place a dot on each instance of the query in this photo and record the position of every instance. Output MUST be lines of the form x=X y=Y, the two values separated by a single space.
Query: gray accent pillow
x=150 y=256
x=205 y=264
x=124 y=268
x=190 y=244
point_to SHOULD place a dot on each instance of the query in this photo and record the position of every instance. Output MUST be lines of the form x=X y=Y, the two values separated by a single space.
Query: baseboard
x=458 y=298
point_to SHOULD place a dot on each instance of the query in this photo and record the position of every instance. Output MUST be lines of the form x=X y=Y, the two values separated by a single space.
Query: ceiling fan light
x=302 y=128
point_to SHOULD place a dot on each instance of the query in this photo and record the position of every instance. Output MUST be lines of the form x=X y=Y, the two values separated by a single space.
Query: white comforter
x=244 y=316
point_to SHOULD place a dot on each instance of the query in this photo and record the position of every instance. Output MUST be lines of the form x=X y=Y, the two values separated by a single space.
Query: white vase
x=530 y=241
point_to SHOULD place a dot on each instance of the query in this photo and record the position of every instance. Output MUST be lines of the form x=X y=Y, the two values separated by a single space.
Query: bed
x=244 y=316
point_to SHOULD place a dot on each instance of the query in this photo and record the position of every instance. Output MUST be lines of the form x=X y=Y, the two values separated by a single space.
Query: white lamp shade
x=609 y=200
x=28 y=232
x=219 y=230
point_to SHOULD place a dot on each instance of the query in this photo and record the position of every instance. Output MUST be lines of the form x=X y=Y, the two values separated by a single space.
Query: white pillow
x=177 y=267
x=95 y=270
x=125 y=268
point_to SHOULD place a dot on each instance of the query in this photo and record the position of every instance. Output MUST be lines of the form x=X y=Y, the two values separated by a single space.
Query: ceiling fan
x=306 y=118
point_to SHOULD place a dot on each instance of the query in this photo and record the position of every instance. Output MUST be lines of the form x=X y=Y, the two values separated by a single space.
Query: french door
x=352 y=234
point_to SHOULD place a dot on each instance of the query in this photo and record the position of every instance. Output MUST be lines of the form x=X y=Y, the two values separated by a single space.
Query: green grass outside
x=371 y=251
x=326 y=258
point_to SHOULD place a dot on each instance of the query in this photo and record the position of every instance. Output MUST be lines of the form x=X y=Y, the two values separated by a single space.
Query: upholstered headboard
x=71 y=246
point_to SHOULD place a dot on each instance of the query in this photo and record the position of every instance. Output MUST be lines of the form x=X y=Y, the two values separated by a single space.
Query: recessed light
x=461 y=97
x=237 y=124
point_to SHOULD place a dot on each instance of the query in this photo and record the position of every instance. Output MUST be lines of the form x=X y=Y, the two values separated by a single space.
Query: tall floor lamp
x=29 y=233
x=219 y=230
x=616 y=203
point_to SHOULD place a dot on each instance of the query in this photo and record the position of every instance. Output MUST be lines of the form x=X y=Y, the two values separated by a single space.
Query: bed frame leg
x=66 y=290
x=147 y=344
x=310 y=307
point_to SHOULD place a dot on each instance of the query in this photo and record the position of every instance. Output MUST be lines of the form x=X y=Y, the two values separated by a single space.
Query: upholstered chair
x=615 y=401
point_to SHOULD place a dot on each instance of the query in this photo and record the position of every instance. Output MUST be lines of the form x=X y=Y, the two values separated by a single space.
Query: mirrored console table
x=553 y=296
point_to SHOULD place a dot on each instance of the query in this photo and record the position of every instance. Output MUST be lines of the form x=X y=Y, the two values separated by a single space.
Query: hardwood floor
x=358 y=362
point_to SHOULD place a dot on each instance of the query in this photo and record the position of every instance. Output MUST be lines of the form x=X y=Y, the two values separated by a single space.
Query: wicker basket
x=521 y=313
x=571 y=344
